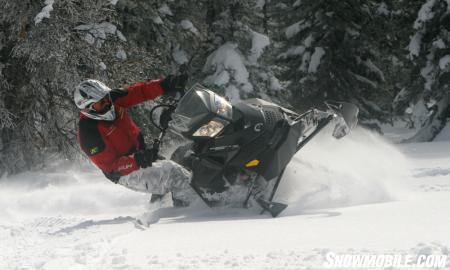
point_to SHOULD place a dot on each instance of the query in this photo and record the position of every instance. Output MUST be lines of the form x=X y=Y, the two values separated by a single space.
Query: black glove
x=174 y=84
x=144 y=158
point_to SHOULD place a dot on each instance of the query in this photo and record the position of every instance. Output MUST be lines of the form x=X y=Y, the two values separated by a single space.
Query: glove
x=144 y=158
x=174 y=84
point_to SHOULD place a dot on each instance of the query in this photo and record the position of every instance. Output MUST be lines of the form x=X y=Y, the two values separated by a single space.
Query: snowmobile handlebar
x=164 y=117
x=169 y=102
x=168 y=106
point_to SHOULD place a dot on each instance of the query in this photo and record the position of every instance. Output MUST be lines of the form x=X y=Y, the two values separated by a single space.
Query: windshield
x=197 y=107
x=194 y=103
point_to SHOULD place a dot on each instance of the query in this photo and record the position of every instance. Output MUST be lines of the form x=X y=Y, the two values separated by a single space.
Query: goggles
x=101 y=106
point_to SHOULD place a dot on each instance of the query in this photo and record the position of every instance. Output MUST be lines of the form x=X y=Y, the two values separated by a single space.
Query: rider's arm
x=138 y=93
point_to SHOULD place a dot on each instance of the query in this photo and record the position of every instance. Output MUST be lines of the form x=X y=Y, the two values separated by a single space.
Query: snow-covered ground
x=358 y=195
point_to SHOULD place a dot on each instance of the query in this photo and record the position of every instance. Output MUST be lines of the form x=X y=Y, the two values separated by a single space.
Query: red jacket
x=111 y=144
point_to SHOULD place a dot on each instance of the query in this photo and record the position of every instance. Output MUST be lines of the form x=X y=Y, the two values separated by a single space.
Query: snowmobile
x=238 y=153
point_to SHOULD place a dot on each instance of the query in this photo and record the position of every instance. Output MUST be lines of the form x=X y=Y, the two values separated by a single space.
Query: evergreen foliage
x=391 y=58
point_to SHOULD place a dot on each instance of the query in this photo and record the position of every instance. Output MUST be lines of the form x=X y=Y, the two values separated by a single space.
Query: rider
x=114 y=143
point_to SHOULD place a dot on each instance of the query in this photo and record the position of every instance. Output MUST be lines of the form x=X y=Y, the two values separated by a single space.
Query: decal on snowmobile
x=258 y=127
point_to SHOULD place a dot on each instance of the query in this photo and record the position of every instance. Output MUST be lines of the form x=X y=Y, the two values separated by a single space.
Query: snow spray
x=360 y=168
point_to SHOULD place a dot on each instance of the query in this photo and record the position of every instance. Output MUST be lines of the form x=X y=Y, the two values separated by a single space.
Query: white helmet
x=89 y=92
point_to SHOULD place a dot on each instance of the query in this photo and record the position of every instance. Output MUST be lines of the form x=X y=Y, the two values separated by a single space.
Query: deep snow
x=359 y=195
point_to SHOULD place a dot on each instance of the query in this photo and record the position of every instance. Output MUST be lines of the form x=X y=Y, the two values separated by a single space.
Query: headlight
x=211 y=129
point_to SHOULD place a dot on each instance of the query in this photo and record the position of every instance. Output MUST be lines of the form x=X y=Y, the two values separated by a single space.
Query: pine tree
x=237 y=65
x=428 y=95
x=330 y=53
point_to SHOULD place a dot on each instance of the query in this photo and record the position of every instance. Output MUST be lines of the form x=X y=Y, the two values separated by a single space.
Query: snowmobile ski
x=273 y=208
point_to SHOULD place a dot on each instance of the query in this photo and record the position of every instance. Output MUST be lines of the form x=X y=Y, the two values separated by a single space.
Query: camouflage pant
x=162 y=177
